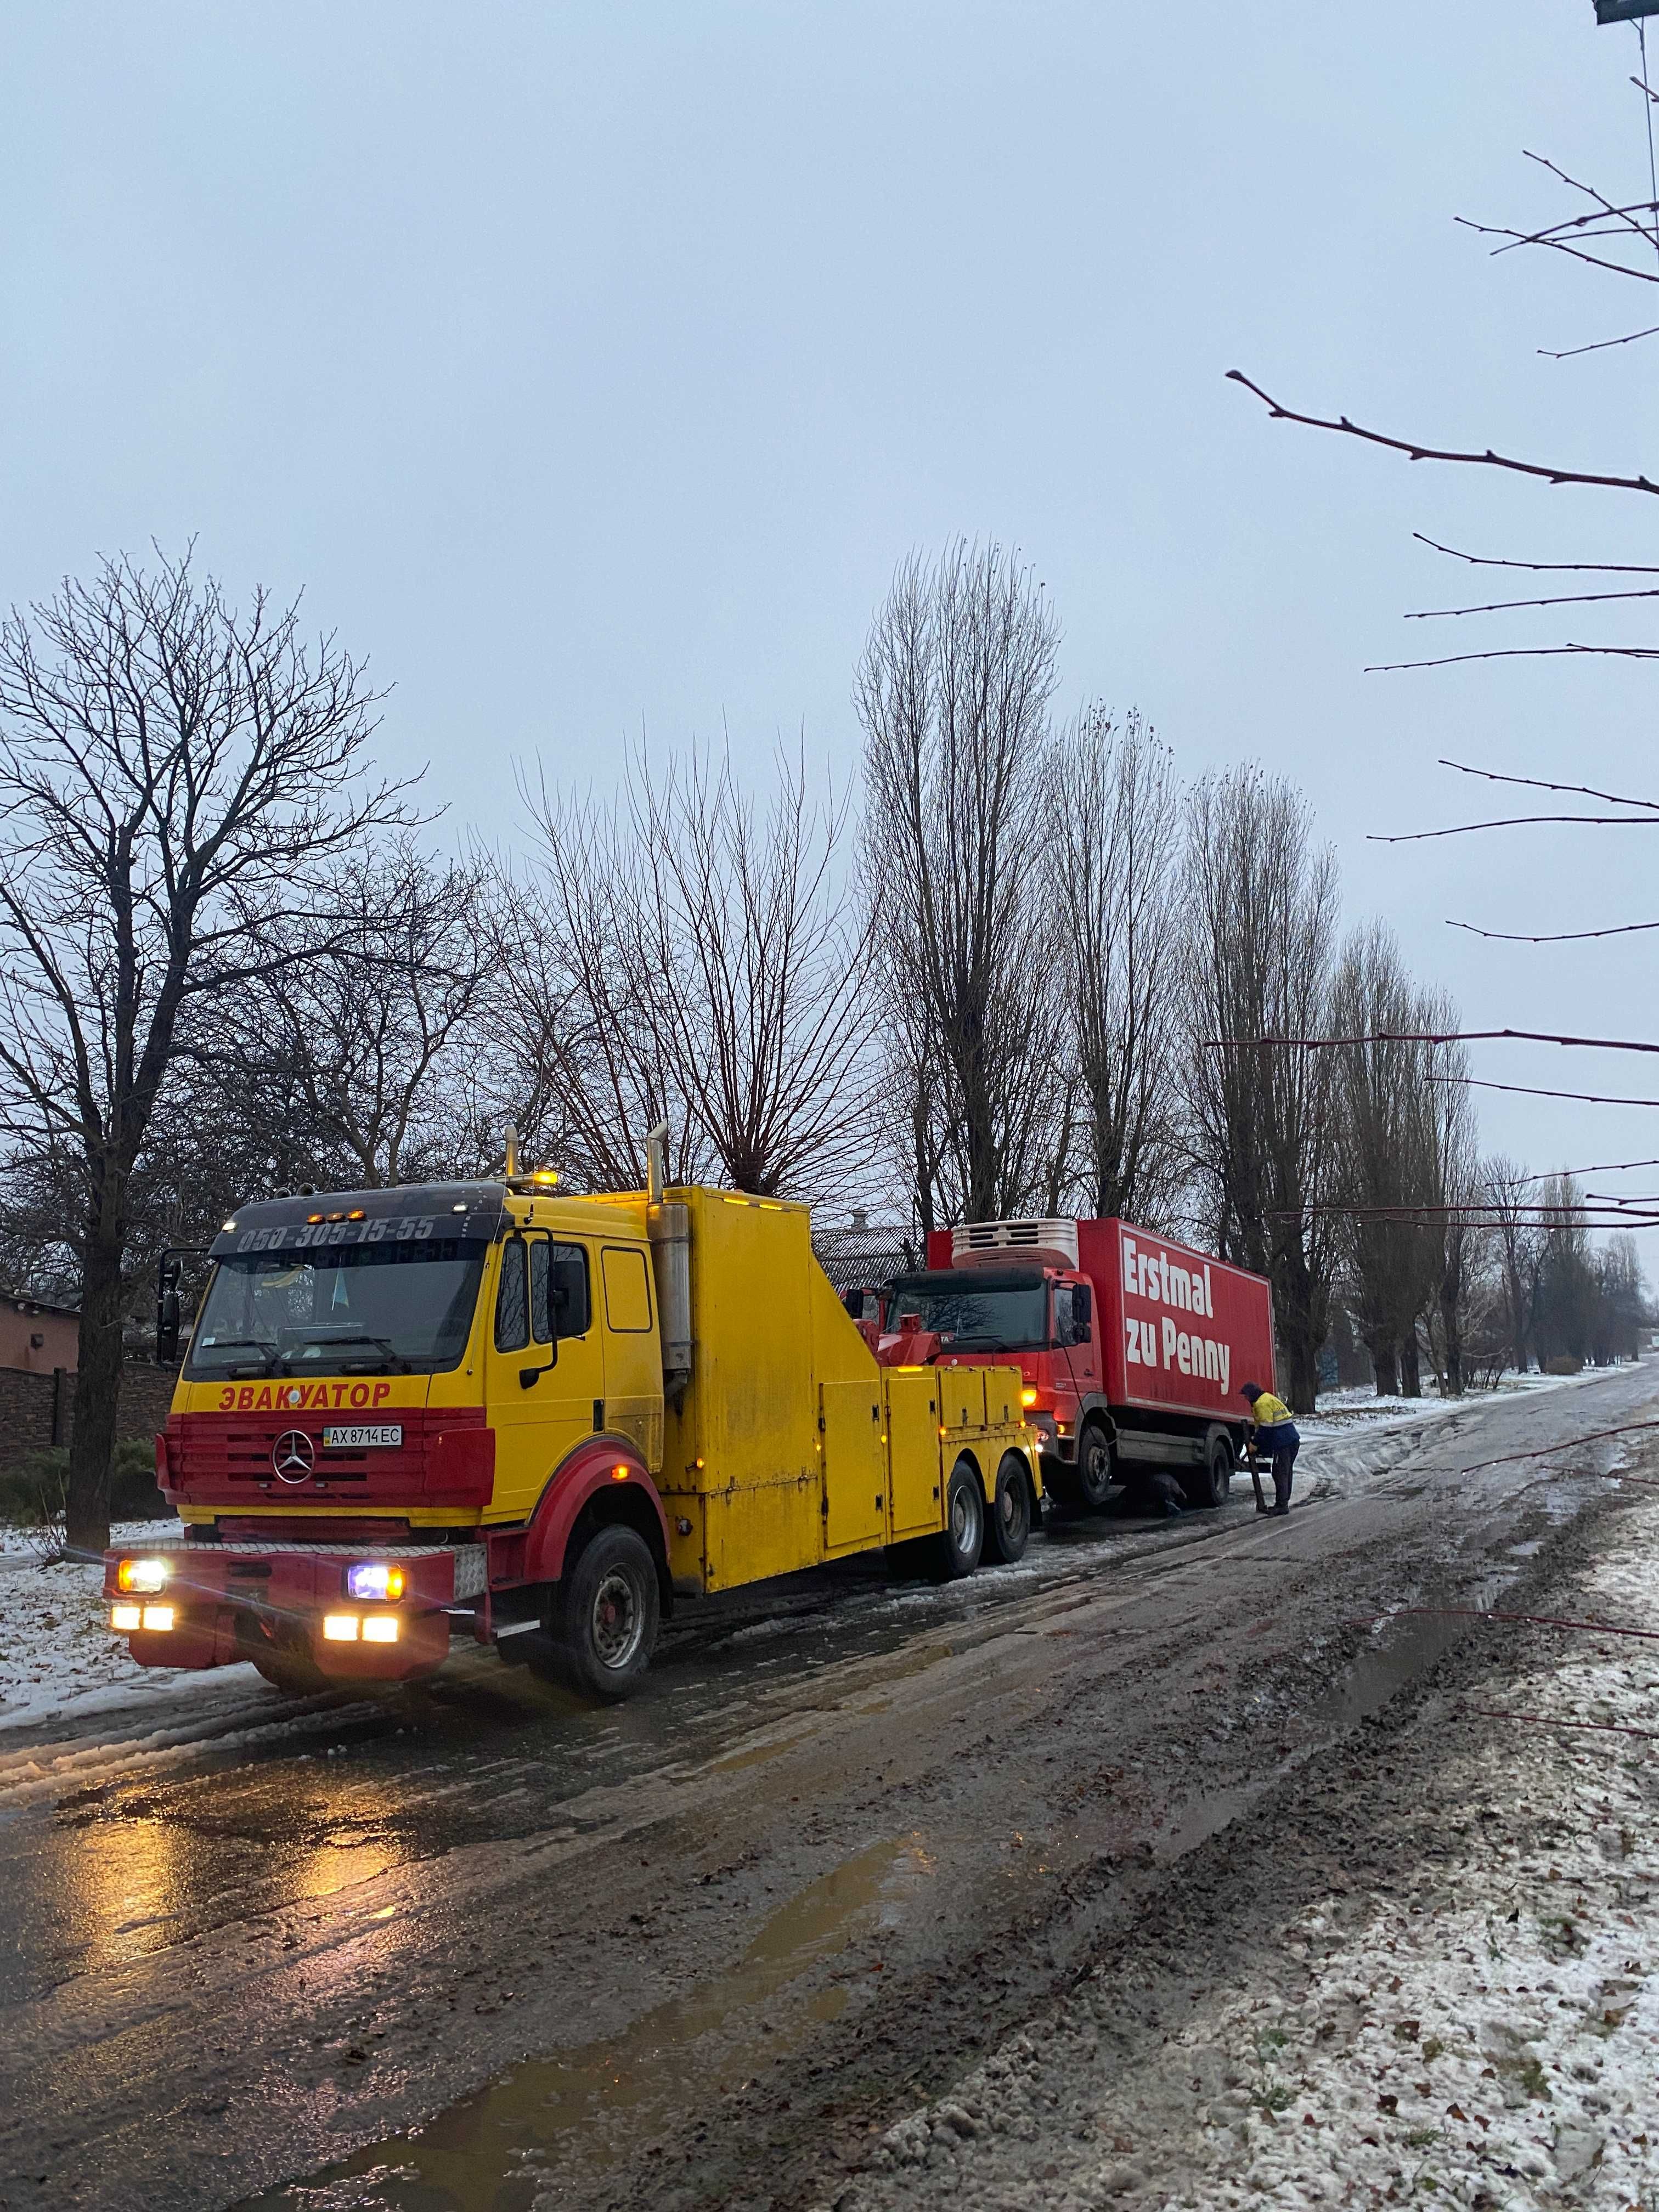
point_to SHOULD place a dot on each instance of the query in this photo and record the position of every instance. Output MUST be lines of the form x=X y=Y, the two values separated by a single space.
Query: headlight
x=373 y=1580
x=340 y=1627
x=158 y=1616
x=144 y=1575
x=380 y=1628
x=123 y=1619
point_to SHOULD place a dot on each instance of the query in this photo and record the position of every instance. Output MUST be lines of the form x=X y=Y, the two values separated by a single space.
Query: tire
x=296 y=1673
x=956 y=1551
x=294 y=1677
x=1008 y=1523
x=1096 y=1467
x=1213 y=1483
x=605 y=1614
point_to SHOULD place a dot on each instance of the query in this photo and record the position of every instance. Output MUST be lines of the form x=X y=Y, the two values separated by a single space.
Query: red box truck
x=1133 y=1348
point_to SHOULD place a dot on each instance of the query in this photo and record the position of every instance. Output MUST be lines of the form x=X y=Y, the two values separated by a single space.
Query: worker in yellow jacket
x=1274 y=1432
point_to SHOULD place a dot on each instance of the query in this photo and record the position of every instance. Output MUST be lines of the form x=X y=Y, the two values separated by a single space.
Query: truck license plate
x=360 y=1439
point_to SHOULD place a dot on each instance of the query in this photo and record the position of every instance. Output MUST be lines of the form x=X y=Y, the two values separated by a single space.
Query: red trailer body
x=1152 y=1375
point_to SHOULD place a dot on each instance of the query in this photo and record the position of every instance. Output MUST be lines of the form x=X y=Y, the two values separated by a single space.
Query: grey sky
x=593 y=365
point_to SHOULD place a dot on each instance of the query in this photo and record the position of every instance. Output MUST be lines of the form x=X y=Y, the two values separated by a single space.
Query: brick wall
x=26 y=1401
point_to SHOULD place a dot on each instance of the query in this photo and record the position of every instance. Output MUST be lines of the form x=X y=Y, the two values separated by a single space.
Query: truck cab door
x=543 y=1329
x=1080 y=1335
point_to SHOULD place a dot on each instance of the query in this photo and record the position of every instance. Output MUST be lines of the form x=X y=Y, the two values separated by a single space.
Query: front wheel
x=605 y=1614
x=1008 y=1528
x=294 y=1677
x=287 y=1666
x=1094 y=1468
x=956 y=1551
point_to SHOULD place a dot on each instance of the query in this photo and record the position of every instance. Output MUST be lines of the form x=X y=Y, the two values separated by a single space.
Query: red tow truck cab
x=1134 y=1348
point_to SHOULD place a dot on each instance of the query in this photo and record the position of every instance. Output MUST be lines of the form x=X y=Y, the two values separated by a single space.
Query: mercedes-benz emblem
x=292 y=1455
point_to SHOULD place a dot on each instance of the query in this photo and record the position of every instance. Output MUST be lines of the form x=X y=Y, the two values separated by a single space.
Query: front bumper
x=228 y=1601
x=1050 y=1443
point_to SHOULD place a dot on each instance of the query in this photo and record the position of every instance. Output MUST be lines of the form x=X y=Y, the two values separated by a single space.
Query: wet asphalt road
x=850 y=1829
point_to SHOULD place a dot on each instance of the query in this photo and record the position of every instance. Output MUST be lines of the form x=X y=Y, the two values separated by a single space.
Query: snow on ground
x=1513 y=2038
x=57 y=1654
x=1346 y=1412
x=1483 y=2033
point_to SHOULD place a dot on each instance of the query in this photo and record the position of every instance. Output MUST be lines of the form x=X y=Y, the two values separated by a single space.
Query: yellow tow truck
x=492 y=1409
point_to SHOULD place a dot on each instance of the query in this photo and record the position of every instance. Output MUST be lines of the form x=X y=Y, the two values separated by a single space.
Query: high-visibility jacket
x=1269 y=1411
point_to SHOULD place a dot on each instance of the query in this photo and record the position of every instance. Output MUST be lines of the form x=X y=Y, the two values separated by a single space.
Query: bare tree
x=953 y=692
x=1619 y=1308
x=697 y=961
x=368 y=1033
x=1262 y=909
x=1383 y=1168
x=1618 y=237
x=1113 y=805
x=580 y=1064
x=1504 y=1184
x=1457 y=1234
x=173 y=774
x=1563 y=1288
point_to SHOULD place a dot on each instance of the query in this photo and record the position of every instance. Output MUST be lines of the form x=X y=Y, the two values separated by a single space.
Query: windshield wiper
x=243 y=1344
x=328 y=1342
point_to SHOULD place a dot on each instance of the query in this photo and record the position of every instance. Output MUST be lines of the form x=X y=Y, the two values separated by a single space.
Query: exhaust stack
x=668 y=1224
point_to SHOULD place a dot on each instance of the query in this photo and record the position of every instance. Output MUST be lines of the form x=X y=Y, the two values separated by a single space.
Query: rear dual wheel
x=1213 y=1482
x=955 y=1553
x=1008 y=1525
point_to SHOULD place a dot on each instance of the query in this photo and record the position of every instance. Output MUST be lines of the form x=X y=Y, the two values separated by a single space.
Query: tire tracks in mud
x=1037 y=1761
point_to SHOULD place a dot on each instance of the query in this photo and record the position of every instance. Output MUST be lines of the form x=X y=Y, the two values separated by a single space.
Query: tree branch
x=1419 y=453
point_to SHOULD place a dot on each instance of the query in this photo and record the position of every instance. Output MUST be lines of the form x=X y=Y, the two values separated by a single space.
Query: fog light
x=145 y=1575
x=158 y=1616
x=374 y=1580
x=123 y=1619
x=380 y=1628
x=339 y=1628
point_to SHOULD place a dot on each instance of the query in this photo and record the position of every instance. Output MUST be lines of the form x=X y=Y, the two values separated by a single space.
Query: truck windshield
x=973 y=1318
x=394 y=1307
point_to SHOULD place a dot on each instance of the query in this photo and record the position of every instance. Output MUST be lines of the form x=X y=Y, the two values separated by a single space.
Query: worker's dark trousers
x=1283 y=1442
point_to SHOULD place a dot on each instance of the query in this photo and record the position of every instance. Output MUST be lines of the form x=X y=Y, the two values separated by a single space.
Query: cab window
x=627 y=1294
x=512 y=1303
x=567 y=1291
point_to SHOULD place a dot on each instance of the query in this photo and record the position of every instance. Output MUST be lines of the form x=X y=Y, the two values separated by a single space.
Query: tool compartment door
x=913 y=1454
x=854 y=1465
x=1002 y=1407
x=960 y=1397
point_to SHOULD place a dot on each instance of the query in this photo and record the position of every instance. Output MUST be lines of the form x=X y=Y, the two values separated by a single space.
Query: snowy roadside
x=1472 y=2020
x=1360 y=1411
x=56 y=1655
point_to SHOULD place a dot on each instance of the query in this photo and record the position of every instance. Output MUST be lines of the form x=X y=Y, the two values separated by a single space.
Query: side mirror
x=167 y=1313
x=529 y=1376
x=1082 y=1310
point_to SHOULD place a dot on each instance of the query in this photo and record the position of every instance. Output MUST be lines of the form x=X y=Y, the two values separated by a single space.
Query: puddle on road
x=561 y=2119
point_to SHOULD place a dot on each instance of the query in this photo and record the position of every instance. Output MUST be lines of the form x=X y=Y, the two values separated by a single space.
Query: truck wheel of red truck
x=956 y=1551
x=1215 y=1484
x=1008 y=1525
x=1095 y=1471
x=605 y=1614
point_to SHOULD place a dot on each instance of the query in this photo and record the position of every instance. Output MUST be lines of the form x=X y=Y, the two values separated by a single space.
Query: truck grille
x=446 y=1457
